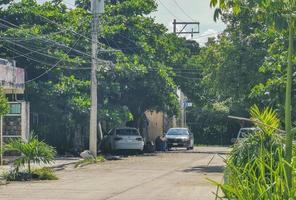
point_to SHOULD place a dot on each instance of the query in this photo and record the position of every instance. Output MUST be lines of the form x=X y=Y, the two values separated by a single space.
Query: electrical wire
x=207 y=35
x=183 y=11
x=42 y=62
x=169 y=11
x=36 y=51
x=41 y=38
x=47 y=71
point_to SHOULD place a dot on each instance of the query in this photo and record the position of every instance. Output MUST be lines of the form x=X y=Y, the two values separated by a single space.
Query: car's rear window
x=126 y=132
x=178 y=132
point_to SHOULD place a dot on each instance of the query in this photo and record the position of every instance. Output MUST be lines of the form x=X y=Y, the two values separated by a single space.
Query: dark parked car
x=179 y=137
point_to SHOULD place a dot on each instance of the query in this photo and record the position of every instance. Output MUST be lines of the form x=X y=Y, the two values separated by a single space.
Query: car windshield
x=178 y=132
x=127 y=132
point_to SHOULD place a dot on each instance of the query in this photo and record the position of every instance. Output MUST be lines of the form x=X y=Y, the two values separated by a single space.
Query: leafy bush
x=256 y=168
x=262 y=178
x=4 y=106
x=267 y=138
x=33 y=151
x=14 y=175
x=37 y=174
x=44 y=173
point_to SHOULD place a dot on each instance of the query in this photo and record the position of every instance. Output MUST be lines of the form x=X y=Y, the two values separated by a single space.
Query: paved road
x=177 y=175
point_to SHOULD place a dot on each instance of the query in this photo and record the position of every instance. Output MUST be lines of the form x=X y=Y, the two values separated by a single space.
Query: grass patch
x=45 y=173
x=36 y=174
x=88 y=161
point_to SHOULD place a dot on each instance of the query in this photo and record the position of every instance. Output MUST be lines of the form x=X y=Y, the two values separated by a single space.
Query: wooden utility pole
x=97 y=7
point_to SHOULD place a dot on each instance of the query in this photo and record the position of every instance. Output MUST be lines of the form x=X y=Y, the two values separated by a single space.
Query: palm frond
x=267 y=119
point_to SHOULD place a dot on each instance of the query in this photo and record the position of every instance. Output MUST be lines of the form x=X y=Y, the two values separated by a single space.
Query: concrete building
x=16 y=123
x=157 y=123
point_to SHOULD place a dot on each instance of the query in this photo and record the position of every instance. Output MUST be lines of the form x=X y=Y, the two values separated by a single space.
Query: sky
x=185 y=10
x=189 y=10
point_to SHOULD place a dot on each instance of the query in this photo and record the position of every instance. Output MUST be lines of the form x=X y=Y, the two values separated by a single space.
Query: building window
x=15 y=108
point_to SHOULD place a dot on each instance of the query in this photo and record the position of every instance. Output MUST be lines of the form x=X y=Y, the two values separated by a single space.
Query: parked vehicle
x=243 y=133
x=123 y=139
x=179 y=137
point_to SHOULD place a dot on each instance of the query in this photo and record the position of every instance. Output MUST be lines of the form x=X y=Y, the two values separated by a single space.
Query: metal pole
x=174 y=23
x=96 y=8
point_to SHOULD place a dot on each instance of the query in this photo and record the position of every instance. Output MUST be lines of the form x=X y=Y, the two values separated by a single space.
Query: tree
x=52 y=43
x=280 y=15
x=4 y=107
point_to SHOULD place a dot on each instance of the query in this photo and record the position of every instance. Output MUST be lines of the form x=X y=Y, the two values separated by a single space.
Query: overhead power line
x=183 y=11
x=168 y=10
x=47 y=71
x=42 y=62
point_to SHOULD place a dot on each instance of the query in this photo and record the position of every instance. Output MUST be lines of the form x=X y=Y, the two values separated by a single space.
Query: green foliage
x=32 y=151
x=256 y=165
x=267 y=137
x=39 y=35
x=88 y=161
x=17 y=176
x=44 y=173
x=4 y=107
x=267 y=120
x=262 y=178
x=278 y=15
x=36 y=174
x=211 y=126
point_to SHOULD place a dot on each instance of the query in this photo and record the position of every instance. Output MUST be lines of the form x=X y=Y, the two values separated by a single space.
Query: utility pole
x=97 y=7
x=184 y=25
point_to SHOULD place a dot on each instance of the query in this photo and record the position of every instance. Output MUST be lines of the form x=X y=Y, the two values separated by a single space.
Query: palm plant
x=266 y=138
x=280 y=15
x=33 y=151
x=256 y=168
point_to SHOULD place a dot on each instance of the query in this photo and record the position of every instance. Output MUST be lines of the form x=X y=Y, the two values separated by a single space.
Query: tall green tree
x=4 y=107
x=280 y=15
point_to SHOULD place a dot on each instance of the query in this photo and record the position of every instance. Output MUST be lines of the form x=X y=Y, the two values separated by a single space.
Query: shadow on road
x=198 y=152
x=205 y=169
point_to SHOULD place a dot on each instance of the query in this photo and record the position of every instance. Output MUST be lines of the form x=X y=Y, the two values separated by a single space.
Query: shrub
x=33 y=151
x=262 y=178
x=13 y=175
x=256 y=168
x=37 y=174
x=44 y=173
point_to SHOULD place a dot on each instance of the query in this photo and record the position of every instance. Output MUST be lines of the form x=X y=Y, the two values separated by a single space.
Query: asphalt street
x=175 y=175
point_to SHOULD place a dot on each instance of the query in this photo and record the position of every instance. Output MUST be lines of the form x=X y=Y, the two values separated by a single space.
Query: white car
x=244 y=133
x=124 y=139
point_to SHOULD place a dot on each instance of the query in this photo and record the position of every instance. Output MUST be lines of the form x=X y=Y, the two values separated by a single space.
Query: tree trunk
x=29 y=167
x=288 y=106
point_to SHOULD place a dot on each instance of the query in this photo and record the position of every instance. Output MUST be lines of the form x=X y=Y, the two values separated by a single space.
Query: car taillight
x=117 y=138
x=139 y=139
